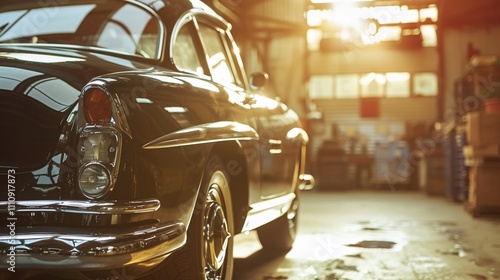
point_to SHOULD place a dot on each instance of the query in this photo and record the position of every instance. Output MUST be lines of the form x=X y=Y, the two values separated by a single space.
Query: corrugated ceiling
x=453 y=13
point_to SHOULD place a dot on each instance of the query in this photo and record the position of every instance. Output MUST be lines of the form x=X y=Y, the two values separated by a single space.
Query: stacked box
x=484 y=186
x=477 y=156
x=483 y=129
x=482 y=155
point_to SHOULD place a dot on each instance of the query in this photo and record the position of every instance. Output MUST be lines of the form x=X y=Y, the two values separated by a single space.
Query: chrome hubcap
x=215 y=236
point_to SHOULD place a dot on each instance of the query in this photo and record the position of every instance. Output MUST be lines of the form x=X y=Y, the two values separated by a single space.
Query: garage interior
x=395 y=96
x=398 y=99
x=383 y=87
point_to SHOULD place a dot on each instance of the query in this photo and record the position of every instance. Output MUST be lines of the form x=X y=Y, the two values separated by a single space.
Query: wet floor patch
x=457 y=250
x=478 y=276
x=355 y=256
x=374 y=244
x=484 y=261
x=274 y=278
x=371 y=228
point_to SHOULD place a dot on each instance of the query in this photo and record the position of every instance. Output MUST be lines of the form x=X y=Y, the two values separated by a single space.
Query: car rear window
x=113 y=25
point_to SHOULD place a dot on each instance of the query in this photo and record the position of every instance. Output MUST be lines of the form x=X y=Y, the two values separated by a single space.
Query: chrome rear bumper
x=88 y=248
x=83 y=206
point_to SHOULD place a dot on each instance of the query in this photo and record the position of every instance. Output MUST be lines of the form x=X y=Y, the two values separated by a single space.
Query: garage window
x=425 y=84
x=321 y=87
x=398 y=84
x=346 y=86
x=374 y=85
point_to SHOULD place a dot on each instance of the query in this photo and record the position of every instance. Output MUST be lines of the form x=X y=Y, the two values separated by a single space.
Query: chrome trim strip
x=85 y=207
x=92 y=250
x=189 y=15
x=265 y=211
x=203 y=134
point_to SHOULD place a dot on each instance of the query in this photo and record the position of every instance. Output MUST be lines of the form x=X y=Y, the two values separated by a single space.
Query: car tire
x=208 y=253
x=279 y=235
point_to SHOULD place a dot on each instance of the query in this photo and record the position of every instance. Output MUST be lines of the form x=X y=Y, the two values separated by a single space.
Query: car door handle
x=275 y=146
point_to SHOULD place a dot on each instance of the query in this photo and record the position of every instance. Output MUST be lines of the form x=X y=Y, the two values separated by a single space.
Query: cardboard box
x=475 y=156
x=484 y=185
x=483 y=151
x=483 y=129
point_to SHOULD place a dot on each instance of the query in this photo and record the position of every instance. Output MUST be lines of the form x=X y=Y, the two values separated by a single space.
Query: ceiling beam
x=412 y=4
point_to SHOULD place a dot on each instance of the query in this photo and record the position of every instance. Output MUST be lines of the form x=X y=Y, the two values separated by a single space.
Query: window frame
x=195 y=18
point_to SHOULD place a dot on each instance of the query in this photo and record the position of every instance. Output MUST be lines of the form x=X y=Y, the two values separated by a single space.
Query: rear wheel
x=280 y=233
x=208 y=254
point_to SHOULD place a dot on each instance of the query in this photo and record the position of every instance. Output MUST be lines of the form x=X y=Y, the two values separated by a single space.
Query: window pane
x=387 y=14
x=139 y=36
x=346 y=86
x=409 y=16
x=429 y=35
x=425 y=84
x=372 y=85
x=321 y=87
x=398 y=84
x=218 y=60
x=313 y=39
x=67 y=20
x=94 y=24
x=114 y=37
x=389 y=33
x=185 y=55
x=429 y=13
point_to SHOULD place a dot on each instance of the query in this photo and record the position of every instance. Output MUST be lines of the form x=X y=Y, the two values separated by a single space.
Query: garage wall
x=396 y=114
x=274 y=42
x=391 y=109
x=372 y=59
x=286 y=68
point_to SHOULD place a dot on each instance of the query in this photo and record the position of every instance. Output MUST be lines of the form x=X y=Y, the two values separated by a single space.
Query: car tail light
x=97 y=106
x=99 y=144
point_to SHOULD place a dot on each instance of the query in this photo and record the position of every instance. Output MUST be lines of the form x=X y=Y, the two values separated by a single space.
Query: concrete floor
x=378 y=235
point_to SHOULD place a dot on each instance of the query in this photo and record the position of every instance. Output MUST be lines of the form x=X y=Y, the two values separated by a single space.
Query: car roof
x=184 y=5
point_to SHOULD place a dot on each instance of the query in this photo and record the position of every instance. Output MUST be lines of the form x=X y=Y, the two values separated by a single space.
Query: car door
x=225 y=68
x=277 y=155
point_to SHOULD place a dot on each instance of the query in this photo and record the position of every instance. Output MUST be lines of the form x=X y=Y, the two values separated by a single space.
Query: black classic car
x=134 y=145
